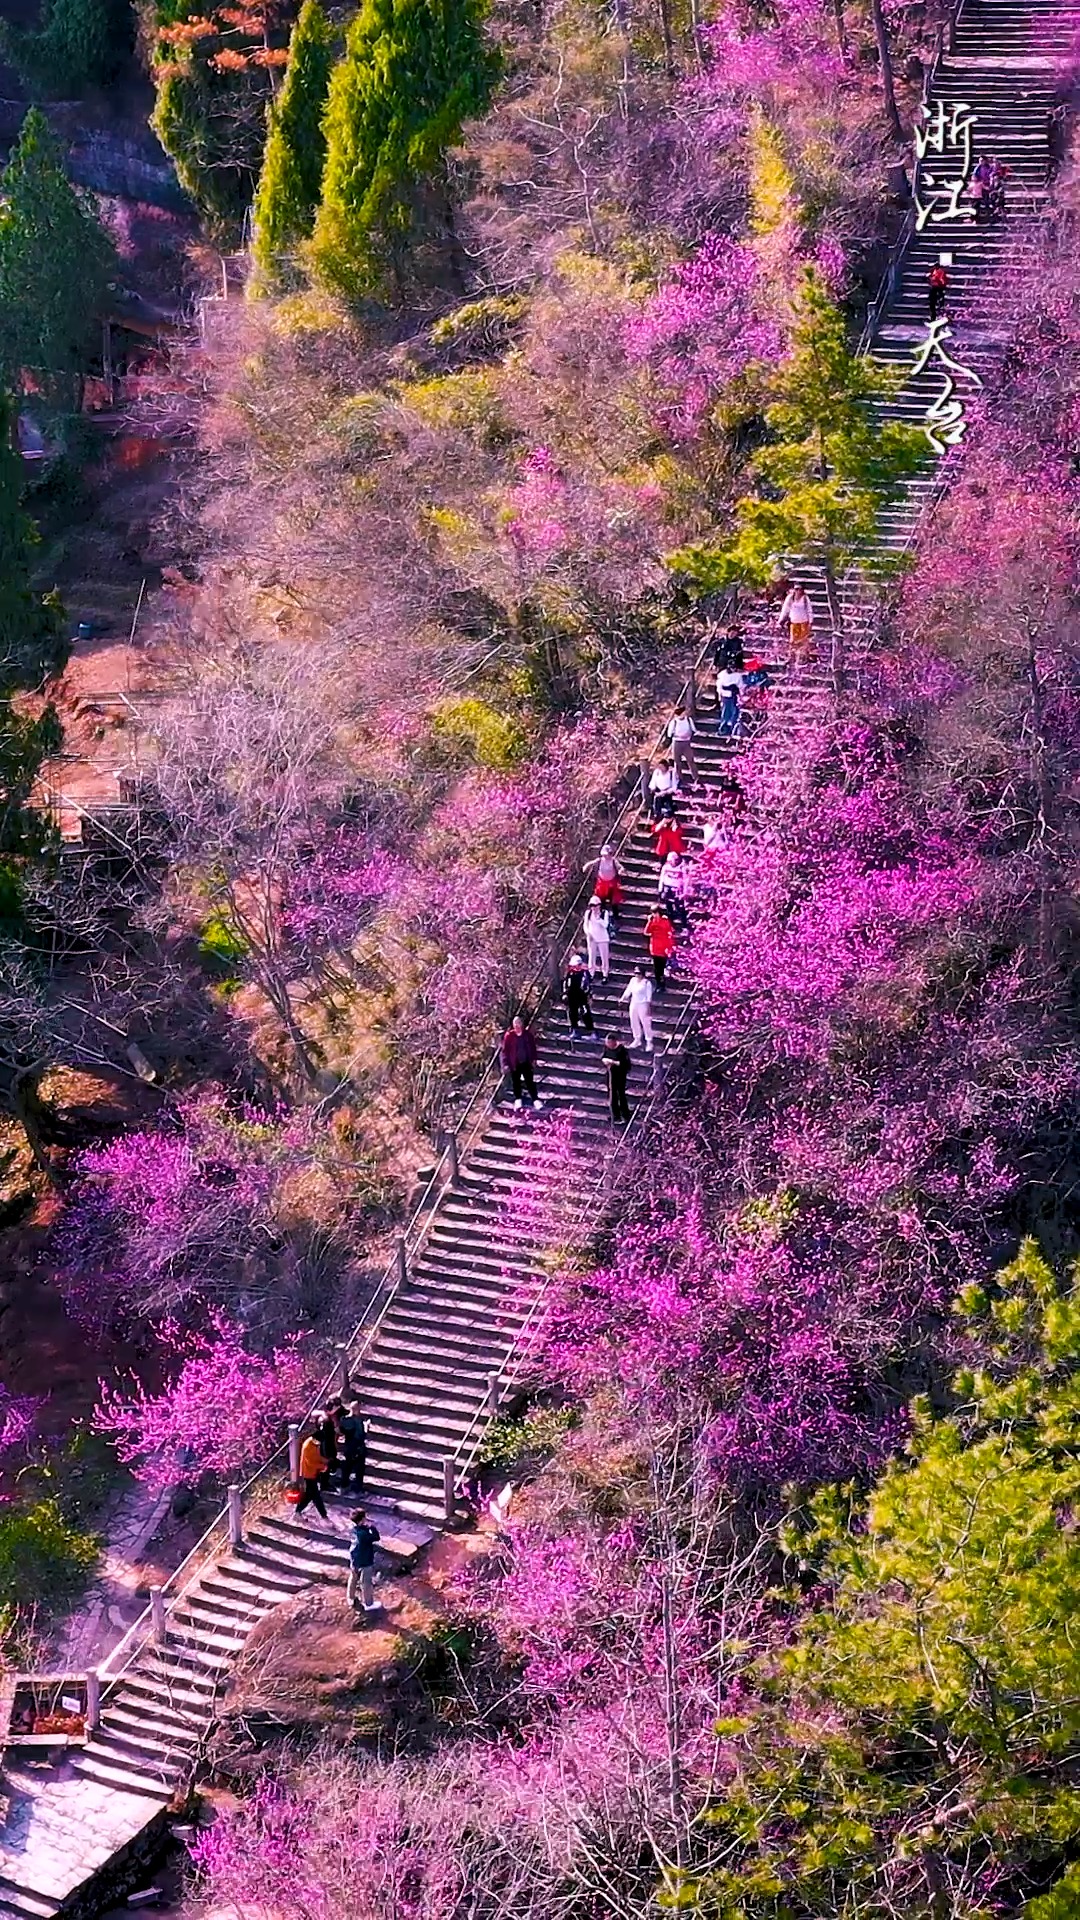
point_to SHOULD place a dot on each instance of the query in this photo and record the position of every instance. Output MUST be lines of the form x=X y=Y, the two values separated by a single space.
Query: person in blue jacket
x=362 y=1563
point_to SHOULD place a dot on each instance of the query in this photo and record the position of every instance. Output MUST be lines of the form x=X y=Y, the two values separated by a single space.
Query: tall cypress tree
x=79 y=43
x=292 y=173
x=31 y=642
x=413 y=72
x=56 y=261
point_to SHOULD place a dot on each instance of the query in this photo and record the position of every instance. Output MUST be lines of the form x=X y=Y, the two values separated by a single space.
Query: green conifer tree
x=213 y=91
x=79 y=43
x=30 y=626
x=56 y=261
x=291 y=179
x=413 y=72
x=830 y=467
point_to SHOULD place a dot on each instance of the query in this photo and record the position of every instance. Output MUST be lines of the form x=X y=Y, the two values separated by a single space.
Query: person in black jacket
x=354 y=1446
x=617 y=1062
x=577 y=988
x=728 y=650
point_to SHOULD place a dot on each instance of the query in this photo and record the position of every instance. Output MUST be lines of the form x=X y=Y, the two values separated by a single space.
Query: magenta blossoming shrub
x=744 y=1323
x=18 y=1416
x=332 y=893
x=221 y=1413
x=161 y=1219
x=701 y=331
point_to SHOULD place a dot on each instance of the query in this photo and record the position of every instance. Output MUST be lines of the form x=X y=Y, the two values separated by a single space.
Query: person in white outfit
x=597 y=938
x=675 y=888
x=638 y=994
x=663 y=787
x=681 y=731
x=799 y=614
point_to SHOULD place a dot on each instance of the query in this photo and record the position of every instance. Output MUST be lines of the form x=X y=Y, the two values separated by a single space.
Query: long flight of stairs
x=471 y=1290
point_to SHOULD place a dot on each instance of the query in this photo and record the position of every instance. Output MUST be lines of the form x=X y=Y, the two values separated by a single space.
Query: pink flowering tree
x=488 y=879
x=743 y=1319
x=574 y=538
x=18 y=1418
x=797 y=73
x=161 y=1221
x=703 y=332
x=221 y=1412
x=333 y=892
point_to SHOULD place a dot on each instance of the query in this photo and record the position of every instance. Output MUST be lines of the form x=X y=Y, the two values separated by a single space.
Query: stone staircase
x=448 y=1335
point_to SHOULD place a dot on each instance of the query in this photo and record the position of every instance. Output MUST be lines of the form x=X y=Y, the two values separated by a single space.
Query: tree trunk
x=836 y=616
x=29 y=1111
x=664 y=15
x=842 y=40
x=888 y=79
x=1039 y=774
x=456 y=254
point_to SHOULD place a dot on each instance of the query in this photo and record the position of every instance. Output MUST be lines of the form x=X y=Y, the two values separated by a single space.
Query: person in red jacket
x=660 y=935
x=668 y=837
x=937 y=283
x=519 y=1059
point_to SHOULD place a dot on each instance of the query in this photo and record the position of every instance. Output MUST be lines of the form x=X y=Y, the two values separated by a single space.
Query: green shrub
x=480 y=326
x=79 y=43
x=536 y=1435
x=221 y=942
x=470 y=730
x=42 y=1558
x=469 y=402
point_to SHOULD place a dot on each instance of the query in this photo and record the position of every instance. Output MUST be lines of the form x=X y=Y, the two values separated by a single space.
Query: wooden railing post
x=236 y=1517
x=294 y=1452
x=157 y=1616
x=449 y=1500
x=402 y=1258
x=454 y=1158
x=93 y=1700
x=494 y=1394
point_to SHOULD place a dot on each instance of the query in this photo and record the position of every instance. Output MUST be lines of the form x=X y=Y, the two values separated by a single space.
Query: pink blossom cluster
x=222 y=1412
x=332 y=891
x=18 y=1417
x=162 y=1217
x=700 y=332
x=489 y=879
x=537 y=505
x=752 y=61
x=746 y=1323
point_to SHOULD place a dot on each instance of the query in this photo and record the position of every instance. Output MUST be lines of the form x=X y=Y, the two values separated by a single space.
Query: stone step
x=162 y=1750
x=238 y=1576
x=28 y=1904
x=156 y=1783
x=156 y=1722
x=160 y=1694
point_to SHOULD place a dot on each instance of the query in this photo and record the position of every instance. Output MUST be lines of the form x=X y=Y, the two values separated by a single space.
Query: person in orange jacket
x=313 y=1464
x=660 y=935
